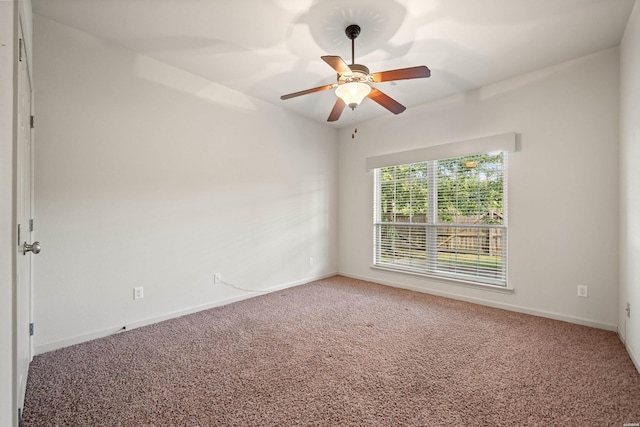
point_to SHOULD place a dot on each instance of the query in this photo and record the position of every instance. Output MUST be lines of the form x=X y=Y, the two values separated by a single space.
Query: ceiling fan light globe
x=353 y=93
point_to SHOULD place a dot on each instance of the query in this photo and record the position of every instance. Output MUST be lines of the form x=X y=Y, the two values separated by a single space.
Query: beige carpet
x=340 y=352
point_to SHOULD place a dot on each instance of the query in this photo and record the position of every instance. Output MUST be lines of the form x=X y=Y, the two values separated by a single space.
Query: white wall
x=629 y=184
x=150 y=176
x=563 y=186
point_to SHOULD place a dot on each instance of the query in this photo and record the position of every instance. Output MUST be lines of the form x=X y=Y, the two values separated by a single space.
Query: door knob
x=35 y=248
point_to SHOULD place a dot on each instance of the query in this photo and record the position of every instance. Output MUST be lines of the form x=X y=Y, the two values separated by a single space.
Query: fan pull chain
x=354 y=119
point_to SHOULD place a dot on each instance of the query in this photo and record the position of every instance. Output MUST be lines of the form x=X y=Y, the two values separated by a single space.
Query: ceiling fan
x=354 y=82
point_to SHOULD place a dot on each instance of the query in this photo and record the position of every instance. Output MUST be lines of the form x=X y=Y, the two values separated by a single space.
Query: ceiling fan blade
x=386 y=101
x=402 y=74
x=305 y=92
x=337 y=64
x=337 y=110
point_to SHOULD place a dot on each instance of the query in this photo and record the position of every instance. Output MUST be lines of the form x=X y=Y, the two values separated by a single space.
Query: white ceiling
x=267 y=48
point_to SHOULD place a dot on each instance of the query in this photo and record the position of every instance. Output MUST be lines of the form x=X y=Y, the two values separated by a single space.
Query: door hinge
x=31 y=225
x=628 y=310
x=31 y=122
x=20 y=51
x=19 y=232
x=31 y=329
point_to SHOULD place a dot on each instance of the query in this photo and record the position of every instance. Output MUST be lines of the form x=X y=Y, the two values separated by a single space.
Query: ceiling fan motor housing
x=359 y=73
x=359 y=69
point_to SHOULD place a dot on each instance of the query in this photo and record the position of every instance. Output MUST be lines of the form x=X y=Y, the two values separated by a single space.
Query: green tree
x=404 y=193
x=471 y=186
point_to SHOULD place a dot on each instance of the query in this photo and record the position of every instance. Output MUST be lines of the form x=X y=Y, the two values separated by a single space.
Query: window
x=444 y=218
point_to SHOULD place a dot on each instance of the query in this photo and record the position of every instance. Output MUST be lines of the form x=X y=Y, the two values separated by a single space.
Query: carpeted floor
x=340 y=352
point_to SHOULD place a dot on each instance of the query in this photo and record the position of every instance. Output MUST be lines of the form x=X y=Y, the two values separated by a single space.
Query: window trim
x=498 y=143
x=506 y=142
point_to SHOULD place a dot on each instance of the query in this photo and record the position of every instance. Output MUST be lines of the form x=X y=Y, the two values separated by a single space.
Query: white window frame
x=499 y=143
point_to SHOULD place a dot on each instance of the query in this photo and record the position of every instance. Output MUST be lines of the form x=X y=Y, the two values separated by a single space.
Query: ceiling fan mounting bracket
x=352 y=31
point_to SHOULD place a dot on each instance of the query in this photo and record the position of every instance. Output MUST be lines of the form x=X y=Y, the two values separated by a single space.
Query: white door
x=24 y=215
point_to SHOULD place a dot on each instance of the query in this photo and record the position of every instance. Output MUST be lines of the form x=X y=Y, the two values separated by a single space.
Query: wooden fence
x=473 y=240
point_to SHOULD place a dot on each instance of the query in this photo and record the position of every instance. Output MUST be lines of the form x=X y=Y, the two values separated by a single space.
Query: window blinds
x=444 y=217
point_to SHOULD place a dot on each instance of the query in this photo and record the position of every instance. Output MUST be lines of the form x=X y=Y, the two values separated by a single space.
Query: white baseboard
x=194 y=309
x=509 y=307
x=166 y=316
x=633 y=356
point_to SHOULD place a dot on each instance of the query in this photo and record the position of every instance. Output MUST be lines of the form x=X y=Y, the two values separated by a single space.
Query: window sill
x=454 y=281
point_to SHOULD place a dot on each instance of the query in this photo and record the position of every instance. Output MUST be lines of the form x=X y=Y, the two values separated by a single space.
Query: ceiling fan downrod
x=353 y=31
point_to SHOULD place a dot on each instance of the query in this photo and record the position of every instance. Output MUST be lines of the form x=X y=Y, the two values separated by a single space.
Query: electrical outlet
x=583 y=291
x=137 y=293
x=217 y=278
